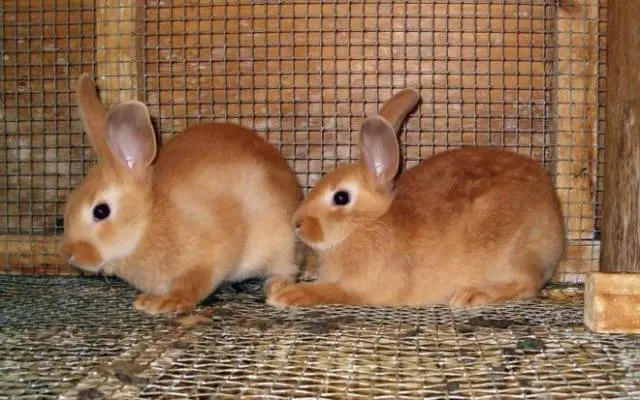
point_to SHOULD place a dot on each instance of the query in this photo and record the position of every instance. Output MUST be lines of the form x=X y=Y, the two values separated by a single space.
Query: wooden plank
x=119 y=49
x=576 y=100
x=41 y=250
x=612 y=302
x=621 y=218
x=26 y=250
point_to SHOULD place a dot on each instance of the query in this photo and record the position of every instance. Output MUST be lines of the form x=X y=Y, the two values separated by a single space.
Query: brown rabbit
x=214 y=205
x=466 y=227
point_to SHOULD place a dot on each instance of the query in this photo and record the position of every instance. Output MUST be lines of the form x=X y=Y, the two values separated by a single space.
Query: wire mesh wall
x=45 y=46
x=524 y=75
x=307 y=72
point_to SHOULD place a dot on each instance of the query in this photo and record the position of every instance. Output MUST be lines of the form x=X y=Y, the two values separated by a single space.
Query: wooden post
x=32 y=254
x=612 y=297
x=576 y=106
x=119 y=44
x=576 y=139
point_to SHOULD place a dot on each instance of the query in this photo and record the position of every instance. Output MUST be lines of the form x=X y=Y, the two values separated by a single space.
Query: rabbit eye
x=101 y=211
x=341 y=198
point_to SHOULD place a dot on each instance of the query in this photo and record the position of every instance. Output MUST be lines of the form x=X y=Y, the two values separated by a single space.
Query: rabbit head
x=354 y=195
x=108 y=212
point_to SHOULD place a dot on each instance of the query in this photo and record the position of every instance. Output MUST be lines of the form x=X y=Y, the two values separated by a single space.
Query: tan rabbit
x=466 y=227
x=214 y=205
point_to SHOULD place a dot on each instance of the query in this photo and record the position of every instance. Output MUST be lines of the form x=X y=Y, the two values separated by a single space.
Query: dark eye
x=341 y=198
x=101 y=211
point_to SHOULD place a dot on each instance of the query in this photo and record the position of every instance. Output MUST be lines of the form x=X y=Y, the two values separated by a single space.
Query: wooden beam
x=26 y=250
x=621 y=206
x=41 y=250
x=576 y=110
x=119 y=50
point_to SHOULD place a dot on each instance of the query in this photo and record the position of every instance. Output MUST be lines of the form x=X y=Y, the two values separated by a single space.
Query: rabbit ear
x=396 y=109
x=378 y=142
x=94 y=116
x=130 y=135
x=380 y=149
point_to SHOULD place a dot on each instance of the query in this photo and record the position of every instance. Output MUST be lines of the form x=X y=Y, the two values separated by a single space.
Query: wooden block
x=612 y=303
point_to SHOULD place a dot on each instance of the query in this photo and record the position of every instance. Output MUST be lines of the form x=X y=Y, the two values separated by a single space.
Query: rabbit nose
x=298 y=223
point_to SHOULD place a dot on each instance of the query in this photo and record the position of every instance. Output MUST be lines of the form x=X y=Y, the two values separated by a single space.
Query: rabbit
x=213 y=205
x=466 y=227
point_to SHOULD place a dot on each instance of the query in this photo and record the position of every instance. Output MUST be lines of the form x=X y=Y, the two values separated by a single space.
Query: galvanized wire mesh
x=307 y=73
x=524 y=75
x=79 y=338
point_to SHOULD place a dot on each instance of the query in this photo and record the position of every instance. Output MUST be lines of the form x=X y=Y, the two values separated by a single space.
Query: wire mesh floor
x=79 y=338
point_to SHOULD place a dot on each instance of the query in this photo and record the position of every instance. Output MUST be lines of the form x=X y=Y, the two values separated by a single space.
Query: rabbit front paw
x=283 y=294
x=155 y=305
x=275 y=283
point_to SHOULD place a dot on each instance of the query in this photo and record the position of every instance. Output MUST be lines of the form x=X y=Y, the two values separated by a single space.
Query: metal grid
x=306 y=73
x=79 y=338
x=56 y=330
x=524 y=75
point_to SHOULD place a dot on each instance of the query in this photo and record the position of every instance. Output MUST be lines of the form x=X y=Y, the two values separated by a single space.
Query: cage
x=527 y=75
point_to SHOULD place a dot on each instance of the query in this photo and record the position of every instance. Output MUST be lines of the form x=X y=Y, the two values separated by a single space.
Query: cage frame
x=609 y=260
